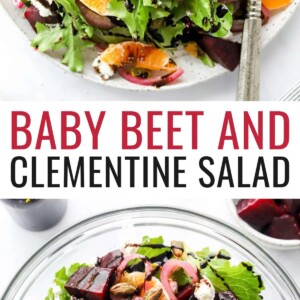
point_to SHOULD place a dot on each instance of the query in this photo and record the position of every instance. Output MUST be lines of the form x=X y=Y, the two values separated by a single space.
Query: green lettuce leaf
x=71 y=35
x=168 y=33
x=47 y=38
x=199 y=12
x=60 y=279
x=57 y=37
x=245 y=284
x=240 y=279
x=74 y=45
x=152 y=252
x=224 y=22
x=136 y=21
x=50 y=295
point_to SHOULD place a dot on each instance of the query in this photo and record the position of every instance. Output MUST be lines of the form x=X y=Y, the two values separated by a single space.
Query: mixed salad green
x=72 y=26
x=173 y=272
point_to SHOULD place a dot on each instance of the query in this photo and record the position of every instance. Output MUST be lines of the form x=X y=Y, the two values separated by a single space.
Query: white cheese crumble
x=44 y=12
x=205 y=290
x=105 y=70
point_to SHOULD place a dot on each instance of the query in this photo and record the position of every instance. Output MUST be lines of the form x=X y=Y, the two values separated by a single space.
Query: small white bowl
x=262 y=239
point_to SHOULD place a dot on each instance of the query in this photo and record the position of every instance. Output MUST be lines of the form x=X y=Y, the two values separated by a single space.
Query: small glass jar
x=36 y=214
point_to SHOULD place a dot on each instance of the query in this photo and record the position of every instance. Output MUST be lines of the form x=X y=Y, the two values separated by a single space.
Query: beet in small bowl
x=274 y=223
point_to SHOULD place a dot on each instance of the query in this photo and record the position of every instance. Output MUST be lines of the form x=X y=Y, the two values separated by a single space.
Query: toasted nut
x=153 y=293
x=123 y=289
x=177 y=248
x=136 y=279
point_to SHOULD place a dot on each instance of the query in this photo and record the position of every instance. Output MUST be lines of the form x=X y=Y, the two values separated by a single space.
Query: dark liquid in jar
x=37 y=214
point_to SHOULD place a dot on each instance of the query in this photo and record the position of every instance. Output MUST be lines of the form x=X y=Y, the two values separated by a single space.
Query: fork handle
x=249 y=74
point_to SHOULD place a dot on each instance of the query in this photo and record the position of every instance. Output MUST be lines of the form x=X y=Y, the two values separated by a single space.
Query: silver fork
x=293 y=94
x=249 y=74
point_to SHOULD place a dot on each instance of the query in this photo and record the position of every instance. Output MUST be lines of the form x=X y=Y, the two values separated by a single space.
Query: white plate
x=195 y=71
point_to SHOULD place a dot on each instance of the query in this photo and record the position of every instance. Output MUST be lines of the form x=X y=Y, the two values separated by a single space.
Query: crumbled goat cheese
x=205 y=290
x=105 y=70
x=44 y=11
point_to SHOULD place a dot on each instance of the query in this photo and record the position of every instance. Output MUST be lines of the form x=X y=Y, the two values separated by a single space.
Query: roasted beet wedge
x=258 y=212
x=110 y=260
x=90 y=283
x=225 y=296
x=285 y=227
x=32 y=15
x=224 y=52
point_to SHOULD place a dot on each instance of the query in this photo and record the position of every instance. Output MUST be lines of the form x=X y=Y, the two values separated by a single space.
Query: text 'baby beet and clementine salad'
x=155 y=271
x=137 y=38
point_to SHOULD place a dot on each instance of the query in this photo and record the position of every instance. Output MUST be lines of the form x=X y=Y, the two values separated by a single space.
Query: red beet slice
x=226 y=296
x=186 y=292
x=110 y=260
x=90 y=283
x=258 y=212
x=33 y=16
x=224 y=52
x=284 y=227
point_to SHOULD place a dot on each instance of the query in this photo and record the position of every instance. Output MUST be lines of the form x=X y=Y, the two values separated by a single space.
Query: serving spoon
x=249 y=74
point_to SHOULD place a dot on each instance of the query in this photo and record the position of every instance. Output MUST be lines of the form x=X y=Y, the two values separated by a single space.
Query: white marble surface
x=26 y=75
x=17 y=245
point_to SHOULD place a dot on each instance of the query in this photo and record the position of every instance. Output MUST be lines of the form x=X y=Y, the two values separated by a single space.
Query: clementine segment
x=98 y=6
x=276 y=4
x=139 y=55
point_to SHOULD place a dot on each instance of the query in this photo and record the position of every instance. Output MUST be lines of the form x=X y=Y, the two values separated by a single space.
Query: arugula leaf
x=75 y=45
x=60 y=279
x=54 y=38
x=152 y=252
x=46 y=38
x=71 y=35
x=136 y=21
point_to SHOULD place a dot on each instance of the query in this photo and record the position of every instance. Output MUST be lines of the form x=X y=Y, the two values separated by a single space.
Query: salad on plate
x=140 y=39
x=152 y=270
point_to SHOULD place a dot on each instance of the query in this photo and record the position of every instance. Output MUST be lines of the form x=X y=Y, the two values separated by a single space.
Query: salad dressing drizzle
x=129 y=6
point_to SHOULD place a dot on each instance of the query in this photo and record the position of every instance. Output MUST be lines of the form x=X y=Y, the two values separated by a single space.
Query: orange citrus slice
x=139 y=55
x=98 y=6
x=276 y=4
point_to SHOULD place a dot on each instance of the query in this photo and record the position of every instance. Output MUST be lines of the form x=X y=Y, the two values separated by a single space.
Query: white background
x=26 y=75
x=17 y=245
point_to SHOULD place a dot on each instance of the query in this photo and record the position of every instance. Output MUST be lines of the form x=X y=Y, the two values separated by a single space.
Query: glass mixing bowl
x=98 y=235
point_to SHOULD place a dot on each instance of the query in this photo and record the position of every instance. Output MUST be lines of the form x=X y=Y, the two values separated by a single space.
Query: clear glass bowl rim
x=17 y=281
